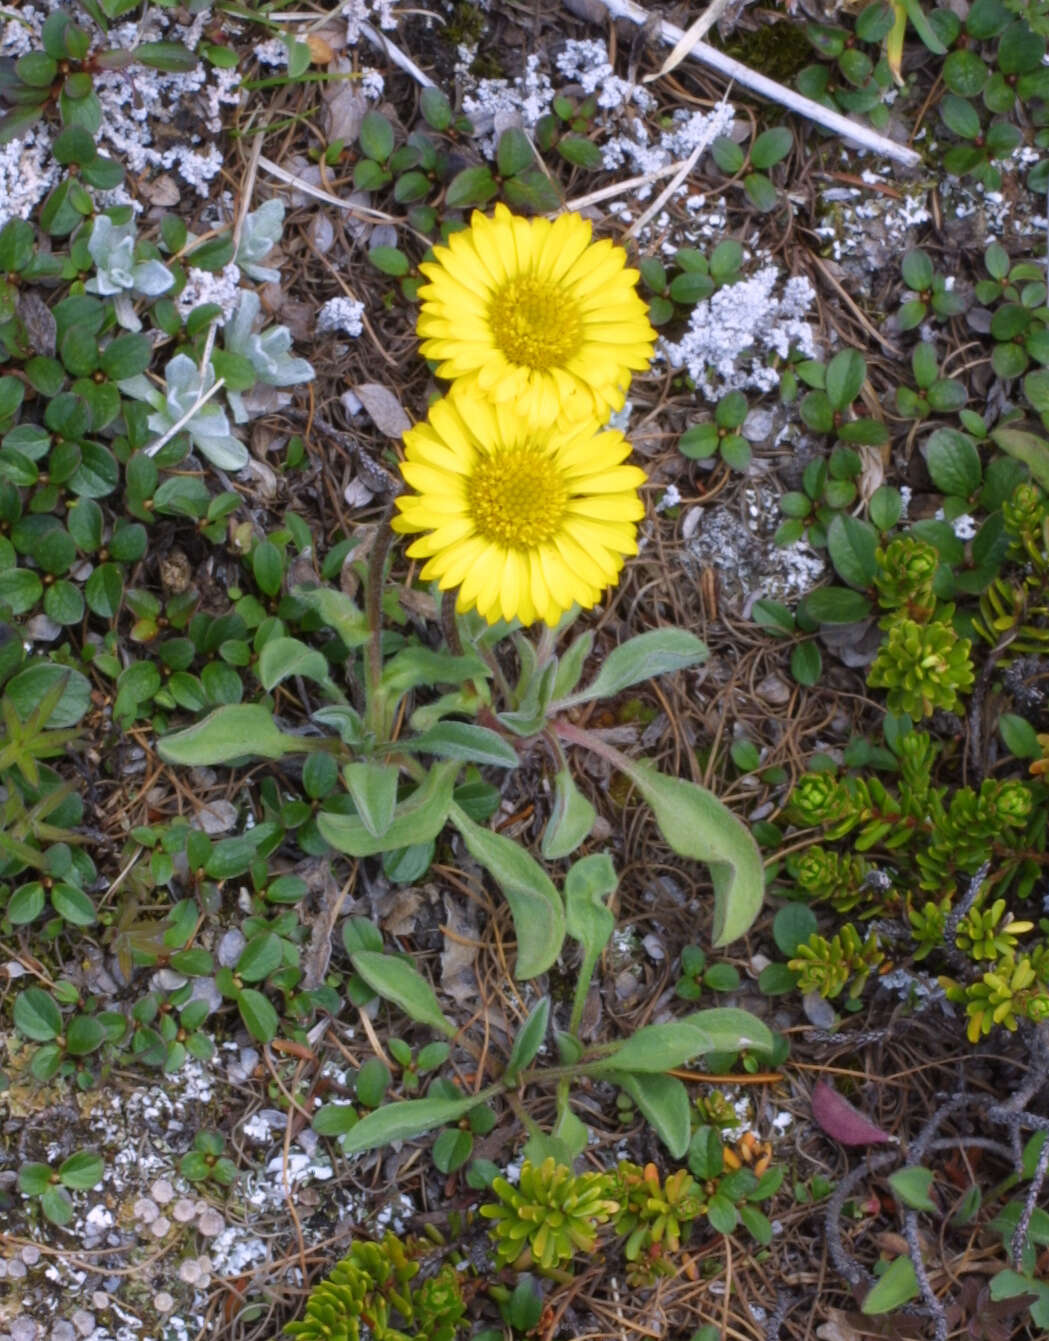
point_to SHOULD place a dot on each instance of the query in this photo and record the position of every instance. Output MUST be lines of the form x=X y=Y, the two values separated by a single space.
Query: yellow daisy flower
x=536 y=315
x=525 y=522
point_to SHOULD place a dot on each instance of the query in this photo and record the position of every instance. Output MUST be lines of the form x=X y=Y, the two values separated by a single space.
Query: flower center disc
x=534 y=323
x=517 y=497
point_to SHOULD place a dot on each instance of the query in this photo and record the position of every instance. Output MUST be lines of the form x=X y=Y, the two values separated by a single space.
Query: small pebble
x=211 y=1223
x=162 y=1191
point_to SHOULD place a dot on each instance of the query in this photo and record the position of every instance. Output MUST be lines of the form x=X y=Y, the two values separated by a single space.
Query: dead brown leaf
x=384 y=409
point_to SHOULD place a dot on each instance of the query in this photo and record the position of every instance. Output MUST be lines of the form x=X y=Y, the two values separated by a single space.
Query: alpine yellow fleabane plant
x=533 y=314
x=525 y=522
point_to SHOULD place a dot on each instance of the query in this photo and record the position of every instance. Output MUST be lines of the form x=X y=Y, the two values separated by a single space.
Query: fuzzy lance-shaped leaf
x=373 y=787
x=571 y=819
x=408 y=1119
x=338 y=612
x=465 y=741
x=896 y=1286
x=664 y=1102
x=538 y=913
x=281 y=658
x=416 y=820
x=659 y=1047
x=236 y=731
x=416 y=666
x=839 y=1119
x=657 y=652
x=528 y=1041
x=696 y=824
x=588 y=884
x=395 y=980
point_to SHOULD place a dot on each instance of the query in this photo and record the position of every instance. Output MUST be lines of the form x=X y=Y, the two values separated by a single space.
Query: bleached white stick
x=396 y=55
x=768 y=88
x=679 y=176
x=180 y=424
x=628 y=184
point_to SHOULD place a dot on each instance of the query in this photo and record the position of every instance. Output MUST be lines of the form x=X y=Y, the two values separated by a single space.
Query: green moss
x=466 y=28
x=778 y=50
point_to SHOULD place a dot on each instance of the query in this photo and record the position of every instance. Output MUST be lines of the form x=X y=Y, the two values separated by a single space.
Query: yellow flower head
x=525 y=522
x=535 y=315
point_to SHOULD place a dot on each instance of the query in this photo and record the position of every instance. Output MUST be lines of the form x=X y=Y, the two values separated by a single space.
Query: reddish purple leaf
x=840 y=1119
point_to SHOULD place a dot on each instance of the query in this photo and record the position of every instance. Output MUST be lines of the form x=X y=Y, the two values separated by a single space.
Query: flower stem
x=449 y=626
x=375 y=705
x=576 y=735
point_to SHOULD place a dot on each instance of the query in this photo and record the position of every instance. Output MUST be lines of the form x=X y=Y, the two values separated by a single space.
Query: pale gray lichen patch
x=748 y=565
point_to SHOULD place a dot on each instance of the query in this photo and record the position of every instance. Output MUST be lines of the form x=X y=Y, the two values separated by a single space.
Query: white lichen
x=340 y=314
x=732 y=335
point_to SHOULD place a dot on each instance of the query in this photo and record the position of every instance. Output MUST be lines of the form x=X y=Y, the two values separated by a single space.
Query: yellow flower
x=535 y=315
x=525 y=522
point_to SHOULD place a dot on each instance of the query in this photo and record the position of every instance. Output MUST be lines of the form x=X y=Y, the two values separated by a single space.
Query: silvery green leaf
x=279 y=369
x=225 y=452
x=185 y=384
x=112 y=249
x=140 y=387
x=152 y=278
x=266 y=351
x=259 y=233
x=105 y=285
x=537 y=908
x=697 y=825
x=237 y=331
x=126 y=315
x=643 y=657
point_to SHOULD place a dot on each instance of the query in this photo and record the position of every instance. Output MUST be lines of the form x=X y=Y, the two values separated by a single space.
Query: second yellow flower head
x=535 y=315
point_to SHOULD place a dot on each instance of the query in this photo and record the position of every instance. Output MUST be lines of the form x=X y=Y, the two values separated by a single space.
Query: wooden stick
x=768 y=88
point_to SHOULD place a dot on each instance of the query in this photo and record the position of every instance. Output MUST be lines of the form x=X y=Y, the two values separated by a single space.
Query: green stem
x=448 y=625
x=375 y=706
x=546 y=647
x=529 y=1123
x=577 y=736
x=582 y=991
